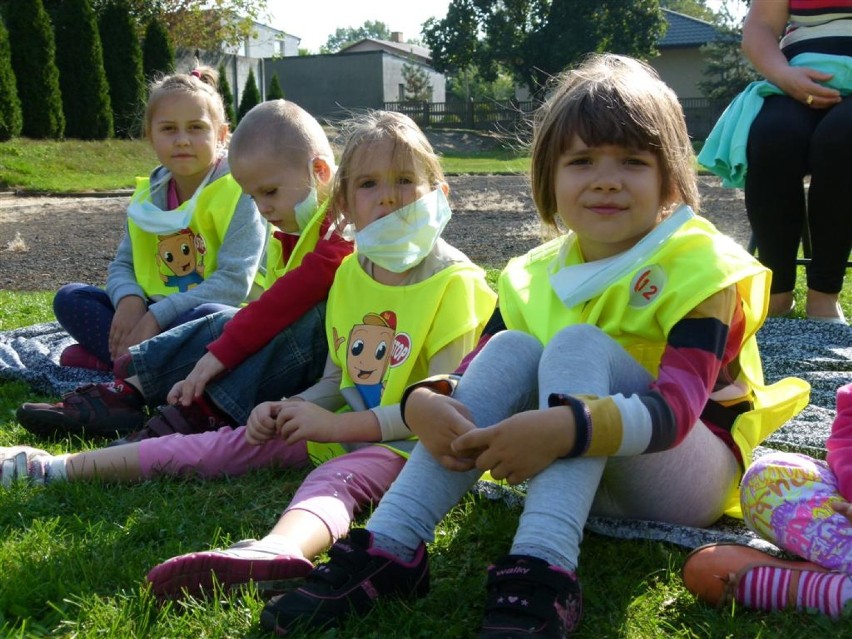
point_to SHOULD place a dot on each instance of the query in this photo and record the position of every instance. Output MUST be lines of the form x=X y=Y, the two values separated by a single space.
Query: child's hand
x=129 y=311
x=844 y=508
x=438 y=421
x=301 y=421
x=260 y=426
x=205 y=369
x=522 y=445
x=146 y=328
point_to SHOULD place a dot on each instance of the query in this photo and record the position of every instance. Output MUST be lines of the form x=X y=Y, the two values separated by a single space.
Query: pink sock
x=767 y=587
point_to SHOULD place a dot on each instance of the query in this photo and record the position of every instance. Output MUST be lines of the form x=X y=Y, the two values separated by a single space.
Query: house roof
x=686 y=31
x=398 y=48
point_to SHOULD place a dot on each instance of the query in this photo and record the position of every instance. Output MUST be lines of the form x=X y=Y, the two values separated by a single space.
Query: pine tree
x=123 y=65
x=10 y=105
x=275 y=92
x=158 y=55
x=85 y=91
x=250 y=97
x=418 y=84
x=33 y=61
x=227 y=96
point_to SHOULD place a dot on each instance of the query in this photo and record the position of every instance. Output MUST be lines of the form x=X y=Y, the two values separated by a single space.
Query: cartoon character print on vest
x=181 y=254
x=374 y=346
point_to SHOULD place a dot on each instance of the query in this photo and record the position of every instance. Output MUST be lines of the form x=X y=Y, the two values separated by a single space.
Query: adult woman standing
x=806 y=130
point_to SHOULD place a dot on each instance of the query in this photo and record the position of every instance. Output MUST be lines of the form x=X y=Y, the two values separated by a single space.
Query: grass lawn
x=73 y=556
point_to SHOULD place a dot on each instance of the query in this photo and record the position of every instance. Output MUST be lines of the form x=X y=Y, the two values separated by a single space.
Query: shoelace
x=342 y=565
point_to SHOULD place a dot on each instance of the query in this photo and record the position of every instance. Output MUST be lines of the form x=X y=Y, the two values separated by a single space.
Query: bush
x=158 y=55
x=33 y=61
x=10 y=106
x=275 y=92
x=85 y=91
x=123 y=65
x=250 y=97
x=227 y=96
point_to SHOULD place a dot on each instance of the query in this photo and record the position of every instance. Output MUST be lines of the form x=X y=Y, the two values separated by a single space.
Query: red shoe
x=77 y=356
x=194 y=574
x=93 y=410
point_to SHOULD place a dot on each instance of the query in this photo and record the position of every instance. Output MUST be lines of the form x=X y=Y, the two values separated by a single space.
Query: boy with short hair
x=215 y=370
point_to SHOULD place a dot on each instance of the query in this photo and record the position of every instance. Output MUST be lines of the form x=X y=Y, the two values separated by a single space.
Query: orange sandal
x=713 y=572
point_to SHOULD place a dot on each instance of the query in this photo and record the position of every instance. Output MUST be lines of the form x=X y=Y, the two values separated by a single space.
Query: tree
x=275 y=92
x=123 y=65
x=342 y=38
x=727 y=70
x=203 y=24
x=250 y=97
x=536 y=39
x=10 y=106
x=85 y=90
x=33 y=62
x=224 y=89
x=158 y=55
x=418 y=84
x=469 y=84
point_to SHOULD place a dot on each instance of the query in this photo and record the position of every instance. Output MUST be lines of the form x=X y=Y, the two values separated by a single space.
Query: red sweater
x=287 y=299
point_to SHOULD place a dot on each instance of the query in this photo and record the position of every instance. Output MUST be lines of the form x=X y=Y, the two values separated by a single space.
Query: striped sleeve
x=697 y=350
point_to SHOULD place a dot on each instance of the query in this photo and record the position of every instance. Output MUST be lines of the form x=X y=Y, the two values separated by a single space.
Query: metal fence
x=701 y=114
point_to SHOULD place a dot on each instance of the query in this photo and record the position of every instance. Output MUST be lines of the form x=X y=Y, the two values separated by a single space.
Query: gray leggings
x=685 y=485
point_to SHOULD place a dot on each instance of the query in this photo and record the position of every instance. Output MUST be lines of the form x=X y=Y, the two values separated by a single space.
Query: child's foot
x=355 y=576
x=529 y=598
x=721 y=573
x=193 y=574
x=94 y=410
x=186 y=420
x=77 y=356
x=23 y=463
x=781 y=304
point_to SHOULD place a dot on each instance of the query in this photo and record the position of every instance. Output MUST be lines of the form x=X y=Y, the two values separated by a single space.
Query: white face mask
x=401 y=240
x=306 y=208
x=149 y=217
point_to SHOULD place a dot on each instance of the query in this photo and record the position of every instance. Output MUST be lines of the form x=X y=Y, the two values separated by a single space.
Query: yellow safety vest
x=308 y=238
x=174 y=263
x=383 y=337
x=639 y=309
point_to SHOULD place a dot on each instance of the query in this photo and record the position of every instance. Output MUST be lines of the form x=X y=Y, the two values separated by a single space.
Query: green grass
x=74 y=166
x=73 y=557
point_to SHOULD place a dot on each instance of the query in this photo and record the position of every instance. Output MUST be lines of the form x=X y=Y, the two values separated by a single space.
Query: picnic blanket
x=818 y=352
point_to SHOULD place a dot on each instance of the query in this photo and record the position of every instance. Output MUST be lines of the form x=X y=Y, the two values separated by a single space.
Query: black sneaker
x=529 y=598
x=349 y=583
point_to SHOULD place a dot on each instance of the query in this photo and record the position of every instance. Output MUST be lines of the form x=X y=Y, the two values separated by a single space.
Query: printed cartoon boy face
x=370 y=345
x=178 y=251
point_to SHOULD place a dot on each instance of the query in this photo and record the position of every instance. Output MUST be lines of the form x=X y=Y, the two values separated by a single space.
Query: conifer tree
x=250 y=97
x=33 y=62
x=85 y=91
x=10 y=105
x=123 y=65
x=227 y=96
x=158 y=54
x=275 y=92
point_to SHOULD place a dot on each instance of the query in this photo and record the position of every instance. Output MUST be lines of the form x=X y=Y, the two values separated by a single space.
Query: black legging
x=789 y=140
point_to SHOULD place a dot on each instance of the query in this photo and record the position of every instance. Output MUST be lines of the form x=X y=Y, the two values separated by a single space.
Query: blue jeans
x=288 y=364
x=86 y=313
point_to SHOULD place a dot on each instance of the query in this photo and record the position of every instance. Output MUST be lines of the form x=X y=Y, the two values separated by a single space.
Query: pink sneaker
x=194 y=574
x=77 y=356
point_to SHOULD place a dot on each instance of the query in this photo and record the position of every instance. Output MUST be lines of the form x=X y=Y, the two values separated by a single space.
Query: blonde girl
x=193 y=241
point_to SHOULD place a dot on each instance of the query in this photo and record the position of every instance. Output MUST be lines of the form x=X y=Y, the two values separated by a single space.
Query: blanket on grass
x=817 y=352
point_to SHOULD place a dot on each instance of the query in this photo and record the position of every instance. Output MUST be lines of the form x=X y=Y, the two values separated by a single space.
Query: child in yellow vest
x=215 y=371
x=193 y=241
x=404 y=306
x=628 y=384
